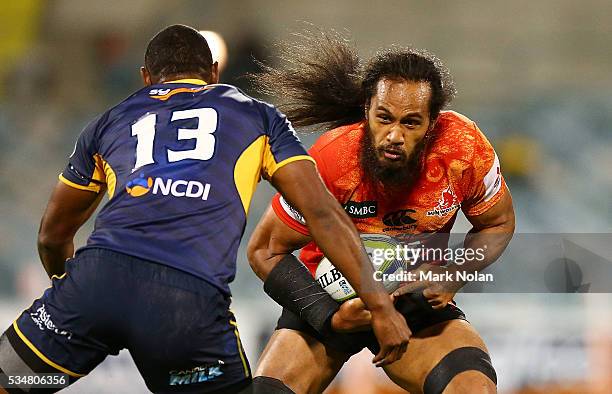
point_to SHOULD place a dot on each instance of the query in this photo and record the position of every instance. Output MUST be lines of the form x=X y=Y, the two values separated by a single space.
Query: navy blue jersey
x=180 y=162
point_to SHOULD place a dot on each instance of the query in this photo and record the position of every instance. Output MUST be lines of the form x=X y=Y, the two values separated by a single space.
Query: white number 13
x=204 y=149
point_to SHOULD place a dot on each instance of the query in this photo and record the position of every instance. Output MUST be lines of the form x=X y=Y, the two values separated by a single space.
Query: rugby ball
x=339 y=288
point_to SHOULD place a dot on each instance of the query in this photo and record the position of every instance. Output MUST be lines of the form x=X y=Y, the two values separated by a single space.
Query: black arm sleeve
x=292 y=286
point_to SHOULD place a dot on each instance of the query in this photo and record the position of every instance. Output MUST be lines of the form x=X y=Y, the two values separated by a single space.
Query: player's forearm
x=337 y=237
x=488 y=243
x=490 y=235
x=492 y=241
x=53 y=254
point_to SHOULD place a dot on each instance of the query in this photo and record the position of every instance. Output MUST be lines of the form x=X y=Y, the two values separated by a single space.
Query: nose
x=395 y=136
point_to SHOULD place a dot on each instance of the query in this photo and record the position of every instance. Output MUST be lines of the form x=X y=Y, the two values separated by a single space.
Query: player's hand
x=437 y=293
x=392 y=333
x=353 y=316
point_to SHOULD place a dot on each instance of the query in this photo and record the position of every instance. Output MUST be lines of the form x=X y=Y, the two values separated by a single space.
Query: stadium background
x=536 y=76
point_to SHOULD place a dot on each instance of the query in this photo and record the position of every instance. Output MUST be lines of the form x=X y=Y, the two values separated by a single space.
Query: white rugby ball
x=336 y=285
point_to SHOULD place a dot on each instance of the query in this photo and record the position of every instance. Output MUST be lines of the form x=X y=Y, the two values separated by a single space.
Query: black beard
x=402 y=174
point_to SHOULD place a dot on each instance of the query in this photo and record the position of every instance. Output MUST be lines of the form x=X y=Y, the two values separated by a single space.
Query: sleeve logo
x=492 y=181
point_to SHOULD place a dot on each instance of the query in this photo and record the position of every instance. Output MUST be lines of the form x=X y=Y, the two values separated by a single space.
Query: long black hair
x=321 y=80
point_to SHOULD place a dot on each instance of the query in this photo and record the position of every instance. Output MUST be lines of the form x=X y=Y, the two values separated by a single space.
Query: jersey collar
x=191 y=81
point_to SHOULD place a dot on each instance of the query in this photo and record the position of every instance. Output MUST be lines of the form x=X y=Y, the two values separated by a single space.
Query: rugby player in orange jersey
x=401 y=166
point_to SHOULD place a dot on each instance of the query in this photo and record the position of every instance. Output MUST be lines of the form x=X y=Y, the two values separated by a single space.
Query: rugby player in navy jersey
x=180 y=160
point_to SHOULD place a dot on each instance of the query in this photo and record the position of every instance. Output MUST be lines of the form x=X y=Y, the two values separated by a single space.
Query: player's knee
x=470 y=382
x=9 y=364
x=481 y=379
x=267 y=385
x=14 y=363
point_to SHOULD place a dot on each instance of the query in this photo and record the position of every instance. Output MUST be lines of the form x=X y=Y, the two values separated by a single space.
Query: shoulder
x=345 y=138
x=235 y=94
x=231 y=92
x=458 y=137
x=337 y=151
x=454 y=124
x=92 y=131
x=234 y=97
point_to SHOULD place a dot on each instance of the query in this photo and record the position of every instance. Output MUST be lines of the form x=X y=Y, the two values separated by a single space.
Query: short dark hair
x=178 y=49
x=322 y=81
x=415 y=65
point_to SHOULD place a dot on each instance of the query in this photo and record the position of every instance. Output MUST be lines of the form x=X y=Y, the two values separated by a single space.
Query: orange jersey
x=460 y=170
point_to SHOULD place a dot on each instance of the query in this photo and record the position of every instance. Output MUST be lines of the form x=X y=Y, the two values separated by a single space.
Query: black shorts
x=414 y=307
x=178 y=328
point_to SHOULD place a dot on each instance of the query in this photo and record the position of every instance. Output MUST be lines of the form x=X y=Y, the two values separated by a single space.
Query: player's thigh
x=183 y=336
x=301 y=362
x=449 y=357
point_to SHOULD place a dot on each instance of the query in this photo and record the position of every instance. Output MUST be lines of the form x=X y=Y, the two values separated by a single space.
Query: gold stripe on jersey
x=275 y=166
x=247 y=170
x=42 y=356
x=171 y=93
x=109 y=174
x=92 y=187
x=245 y=366
x=257 y=160
x=103 y=173
x=177 y=91
x=98 y=175
x=192 y=81
x=62 y=276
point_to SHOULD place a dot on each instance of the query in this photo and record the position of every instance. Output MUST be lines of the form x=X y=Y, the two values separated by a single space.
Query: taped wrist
x=291 y=285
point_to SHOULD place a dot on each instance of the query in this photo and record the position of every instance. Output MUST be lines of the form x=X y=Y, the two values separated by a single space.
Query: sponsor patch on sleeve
x=492 y=180
x=292 y=212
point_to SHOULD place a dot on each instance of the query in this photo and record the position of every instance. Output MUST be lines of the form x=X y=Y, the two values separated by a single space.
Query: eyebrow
x=381 y=108
x=413 y=114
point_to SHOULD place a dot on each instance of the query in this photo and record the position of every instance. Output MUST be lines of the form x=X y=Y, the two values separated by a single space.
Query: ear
x=146 y=77
x=214 y=73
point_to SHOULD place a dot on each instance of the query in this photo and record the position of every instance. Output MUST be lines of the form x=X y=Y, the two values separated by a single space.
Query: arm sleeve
x=85 y=170
x=486 y=185
x=283 y=145
x=290 y=215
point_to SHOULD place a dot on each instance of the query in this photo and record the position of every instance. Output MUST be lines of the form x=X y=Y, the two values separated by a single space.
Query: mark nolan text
x=446 y=276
